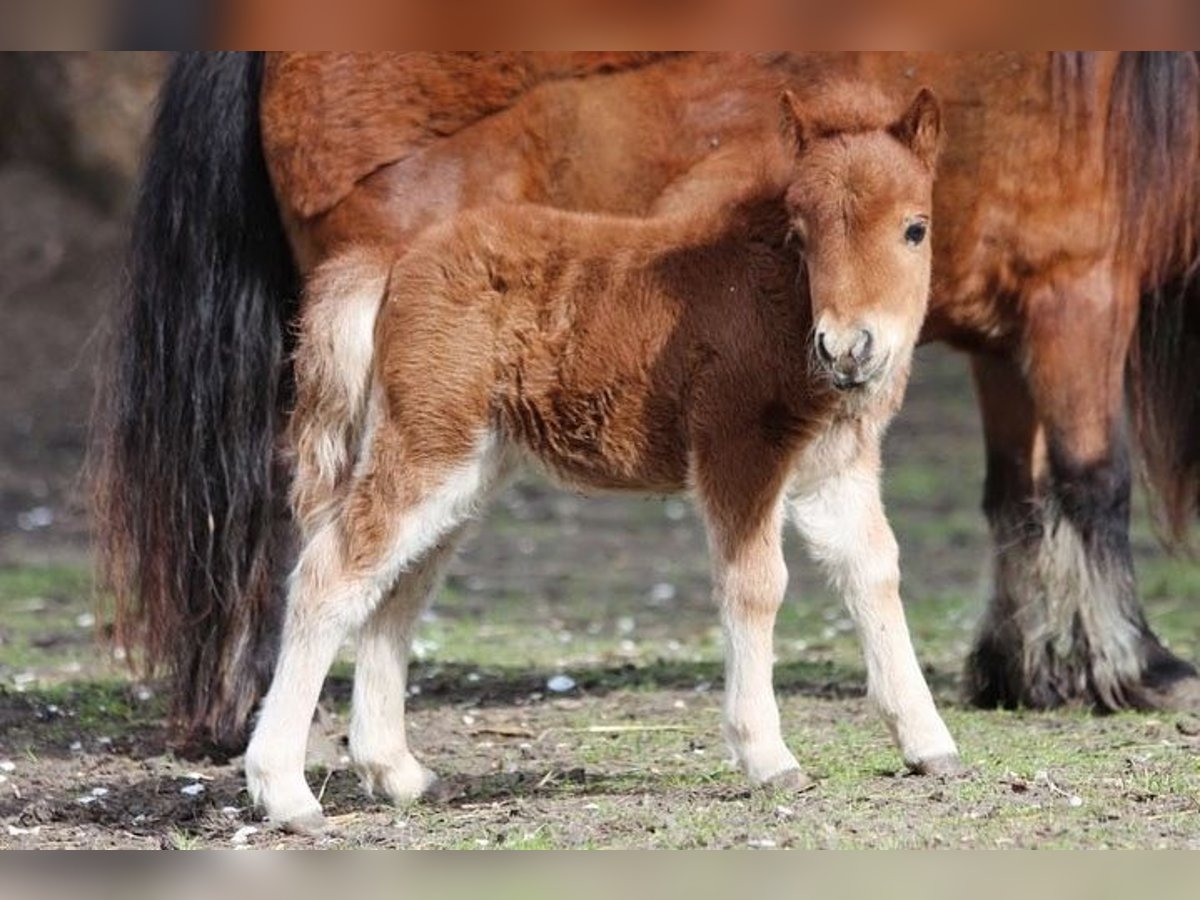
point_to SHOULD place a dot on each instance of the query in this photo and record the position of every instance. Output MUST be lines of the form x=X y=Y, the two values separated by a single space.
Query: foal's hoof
x=791 y=780
x=402 y=784
x=310 y=824
x=947 y=766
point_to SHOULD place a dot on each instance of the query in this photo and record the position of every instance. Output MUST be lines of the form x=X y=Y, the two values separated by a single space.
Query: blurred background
x=70 y=145
x=555 y=24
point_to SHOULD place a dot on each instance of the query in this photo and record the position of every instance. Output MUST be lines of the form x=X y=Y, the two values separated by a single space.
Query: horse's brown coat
x=616 y=142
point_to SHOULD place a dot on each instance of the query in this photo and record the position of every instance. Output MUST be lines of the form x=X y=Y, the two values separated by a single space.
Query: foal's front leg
x=843 y=522
x=749 y=579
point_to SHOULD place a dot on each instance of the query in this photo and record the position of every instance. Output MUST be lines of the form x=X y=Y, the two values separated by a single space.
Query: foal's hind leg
x=378 y=734
x=327 y=601
x=843 y=523
x=390 y=519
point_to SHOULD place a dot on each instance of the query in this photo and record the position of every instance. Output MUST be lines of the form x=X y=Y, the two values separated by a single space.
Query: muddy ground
x=611 y=593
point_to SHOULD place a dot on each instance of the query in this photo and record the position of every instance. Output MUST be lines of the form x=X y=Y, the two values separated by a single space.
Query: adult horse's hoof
x=311 y=824
x=947 y=766
x=791 y=780
x=1182 y=695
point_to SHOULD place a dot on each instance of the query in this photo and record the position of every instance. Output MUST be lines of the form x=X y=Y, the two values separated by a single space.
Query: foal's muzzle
x=848 y=356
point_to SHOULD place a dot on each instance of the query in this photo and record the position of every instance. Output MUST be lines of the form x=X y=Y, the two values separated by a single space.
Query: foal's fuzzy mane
x=844 y=106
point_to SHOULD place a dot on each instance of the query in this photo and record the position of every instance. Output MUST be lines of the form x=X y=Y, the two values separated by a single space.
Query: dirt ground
x=567 y=684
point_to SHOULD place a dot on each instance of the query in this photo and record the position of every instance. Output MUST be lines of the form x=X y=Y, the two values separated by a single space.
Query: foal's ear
x=920 y=128
x=795 y=129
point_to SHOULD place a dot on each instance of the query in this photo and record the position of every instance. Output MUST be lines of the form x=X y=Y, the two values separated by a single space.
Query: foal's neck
x=752 y=212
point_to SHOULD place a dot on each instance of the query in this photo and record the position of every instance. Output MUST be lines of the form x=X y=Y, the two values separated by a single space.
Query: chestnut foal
x=749 y=349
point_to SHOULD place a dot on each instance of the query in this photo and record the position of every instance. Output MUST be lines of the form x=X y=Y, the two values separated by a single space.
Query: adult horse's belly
x=1019 y=194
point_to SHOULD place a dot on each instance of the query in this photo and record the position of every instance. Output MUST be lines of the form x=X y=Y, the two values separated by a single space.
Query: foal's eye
x=915 y=233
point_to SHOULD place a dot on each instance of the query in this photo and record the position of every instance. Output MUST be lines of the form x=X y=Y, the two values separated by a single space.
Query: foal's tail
x=192 y=527
x=1154 y=129
x=333 y=365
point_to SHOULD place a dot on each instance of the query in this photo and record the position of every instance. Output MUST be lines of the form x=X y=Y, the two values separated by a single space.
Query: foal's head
x=859 y=203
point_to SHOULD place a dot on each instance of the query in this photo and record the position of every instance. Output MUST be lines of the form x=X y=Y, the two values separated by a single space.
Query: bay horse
x=1064 y=264
x=749 y=351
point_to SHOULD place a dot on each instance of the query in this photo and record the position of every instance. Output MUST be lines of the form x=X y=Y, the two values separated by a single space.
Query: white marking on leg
x=843 y=523
x=749 y=591
x=378 y=733
x=326 y=604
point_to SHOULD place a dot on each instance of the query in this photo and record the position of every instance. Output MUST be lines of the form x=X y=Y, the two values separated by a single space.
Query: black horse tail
x=1154 y=135
x=188 y=493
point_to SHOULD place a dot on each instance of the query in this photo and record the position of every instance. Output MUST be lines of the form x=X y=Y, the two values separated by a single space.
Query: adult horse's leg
x=996 y=668
x=1064 y=623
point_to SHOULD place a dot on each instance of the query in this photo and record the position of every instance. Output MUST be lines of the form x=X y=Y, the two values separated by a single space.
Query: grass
x=47 y=621
x=632 y=757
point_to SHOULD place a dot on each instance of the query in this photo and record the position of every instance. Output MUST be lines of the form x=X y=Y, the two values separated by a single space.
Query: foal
x=749 y=350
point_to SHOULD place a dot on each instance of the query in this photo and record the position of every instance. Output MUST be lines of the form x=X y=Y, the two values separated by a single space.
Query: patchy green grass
x=46 y=622
x=614 y=593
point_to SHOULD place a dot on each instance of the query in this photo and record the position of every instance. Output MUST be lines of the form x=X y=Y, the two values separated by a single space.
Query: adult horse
x=1066 y=209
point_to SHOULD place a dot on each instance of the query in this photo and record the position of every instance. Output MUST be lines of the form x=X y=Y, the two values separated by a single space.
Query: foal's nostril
x=823 y=349
x=860 y=350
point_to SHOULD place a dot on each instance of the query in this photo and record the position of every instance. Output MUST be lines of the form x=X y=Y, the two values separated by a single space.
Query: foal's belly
x=608 y=438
